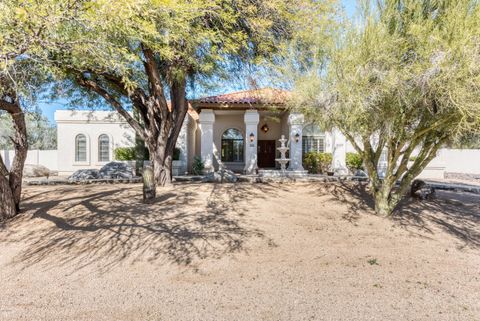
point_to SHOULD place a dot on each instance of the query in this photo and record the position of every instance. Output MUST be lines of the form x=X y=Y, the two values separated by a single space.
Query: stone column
x=339 y=154
x=207 y=119
x=251 y=124
x=295 y=122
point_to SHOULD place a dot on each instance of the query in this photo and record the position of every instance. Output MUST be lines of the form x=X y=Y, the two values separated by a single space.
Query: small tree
x=27 y=28
x=406 y=78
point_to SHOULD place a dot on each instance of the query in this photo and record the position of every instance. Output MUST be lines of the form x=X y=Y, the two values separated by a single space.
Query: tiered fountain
x=283 y=160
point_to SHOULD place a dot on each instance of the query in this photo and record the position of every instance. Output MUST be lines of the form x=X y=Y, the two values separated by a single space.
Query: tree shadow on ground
x=353 y=195
x=106 y=226
x=455 y=213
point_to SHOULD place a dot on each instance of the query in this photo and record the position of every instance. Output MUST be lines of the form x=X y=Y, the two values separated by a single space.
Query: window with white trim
x=103 y=148
x=313 y=139
x=80 y=148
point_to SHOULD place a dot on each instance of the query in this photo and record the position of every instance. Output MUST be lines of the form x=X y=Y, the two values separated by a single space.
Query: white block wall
x=47 y=158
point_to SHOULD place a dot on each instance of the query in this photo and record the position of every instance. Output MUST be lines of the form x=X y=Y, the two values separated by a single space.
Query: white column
x=295 y=122
x=339 y=149
x=207 y=119
x=251 y=124
x=180 y=166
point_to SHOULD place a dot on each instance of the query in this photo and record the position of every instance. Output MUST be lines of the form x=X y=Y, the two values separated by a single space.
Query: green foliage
x=317 y=162
x=41 y=134
x=469 y=140
x=125 y=153
x=176 y=154
x=404 y=77
x=354 y=161
x=198 y=165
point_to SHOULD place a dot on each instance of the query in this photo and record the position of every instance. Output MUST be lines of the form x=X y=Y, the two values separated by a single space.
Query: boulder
x=83 y=175
x=360 y=173
x=422 y=190
x=222 y=176
x=116 y=170
x=35 y=171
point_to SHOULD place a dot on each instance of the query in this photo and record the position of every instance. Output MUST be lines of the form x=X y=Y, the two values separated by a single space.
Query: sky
x=48 y=107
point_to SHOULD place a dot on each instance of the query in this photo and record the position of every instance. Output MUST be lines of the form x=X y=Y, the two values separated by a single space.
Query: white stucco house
x=238 y=131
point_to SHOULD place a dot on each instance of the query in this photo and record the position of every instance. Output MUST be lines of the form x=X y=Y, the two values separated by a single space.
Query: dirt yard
x=238 y=252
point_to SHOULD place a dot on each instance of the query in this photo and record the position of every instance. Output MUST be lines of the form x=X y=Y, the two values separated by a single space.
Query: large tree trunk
x=11 y=181
x=7 y=203
x=161 y=159
x=385 y=200
x=157 y=123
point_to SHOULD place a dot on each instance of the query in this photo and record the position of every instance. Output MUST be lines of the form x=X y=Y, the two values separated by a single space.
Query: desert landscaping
x=292 y=251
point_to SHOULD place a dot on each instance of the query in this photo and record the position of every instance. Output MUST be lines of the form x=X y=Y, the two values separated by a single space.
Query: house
x=237 y=131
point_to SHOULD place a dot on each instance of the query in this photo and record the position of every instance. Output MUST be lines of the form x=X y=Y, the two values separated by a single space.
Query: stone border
x=85 y=182
x=300 y=179
x=453 y=187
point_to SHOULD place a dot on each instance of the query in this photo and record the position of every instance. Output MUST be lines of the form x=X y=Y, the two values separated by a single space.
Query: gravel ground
x=238 y=252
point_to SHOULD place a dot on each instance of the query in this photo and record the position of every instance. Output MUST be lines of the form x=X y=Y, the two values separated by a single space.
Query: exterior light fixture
x=297 y=137
x=265 y=128
x=252 y=137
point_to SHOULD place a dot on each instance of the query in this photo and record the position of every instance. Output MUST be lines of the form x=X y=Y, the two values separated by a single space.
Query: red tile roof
x=264 y=96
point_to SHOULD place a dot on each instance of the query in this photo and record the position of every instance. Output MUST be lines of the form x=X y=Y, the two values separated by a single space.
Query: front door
x=266 y=153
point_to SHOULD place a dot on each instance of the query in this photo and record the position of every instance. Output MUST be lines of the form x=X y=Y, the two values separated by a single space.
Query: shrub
x=354 y=161
x=125 y=153
x=197 y=166
x=176 y=154
x=317 y=162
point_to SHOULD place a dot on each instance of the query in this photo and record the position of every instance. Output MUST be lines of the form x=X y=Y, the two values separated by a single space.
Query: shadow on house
x=106 y=225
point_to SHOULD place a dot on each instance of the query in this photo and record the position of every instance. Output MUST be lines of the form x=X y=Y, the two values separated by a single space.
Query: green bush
x=197 y=166
x=125 y=153
x=317 y=162
x=354 y=161
x=176 y=154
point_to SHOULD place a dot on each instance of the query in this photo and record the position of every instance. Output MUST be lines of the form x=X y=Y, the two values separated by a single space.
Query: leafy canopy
x=404 y=78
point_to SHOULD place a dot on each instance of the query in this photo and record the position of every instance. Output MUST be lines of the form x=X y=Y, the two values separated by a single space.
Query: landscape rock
x=83 y=175
x=422 y=190
x=35 y=171
x=222 y=176
x=360 y=173
x=115 y=170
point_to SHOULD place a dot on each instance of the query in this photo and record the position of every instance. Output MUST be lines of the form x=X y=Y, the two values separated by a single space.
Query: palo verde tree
x=26 y=29
x=405 y=79
x=144 y=53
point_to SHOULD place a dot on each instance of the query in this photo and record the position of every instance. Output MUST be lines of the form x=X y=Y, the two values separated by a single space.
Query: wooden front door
x=266 y=153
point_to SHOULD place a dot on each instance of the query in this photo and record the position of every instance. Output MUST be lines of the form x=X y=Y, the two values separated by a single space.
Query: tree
x=405 y=78
x=143 y=53
x=41 y=134
x=27 y=28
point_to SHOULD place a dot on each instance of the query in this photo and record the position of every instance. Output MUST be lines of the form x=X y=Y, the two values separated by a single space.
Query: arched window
x=81 y=148
x=232 y=146
x=103 y=148
x=313 y=139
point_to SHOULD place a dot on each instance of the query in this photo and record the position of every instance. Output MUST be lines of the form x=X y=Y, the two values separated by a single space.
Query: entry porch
x=240 y=132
